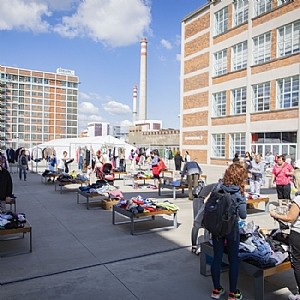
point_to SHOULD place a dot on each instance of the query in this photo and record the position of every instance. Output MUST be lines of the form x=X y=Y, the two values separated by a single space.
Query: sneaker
x=217 y=293
x=294 y=297
x=236 y=295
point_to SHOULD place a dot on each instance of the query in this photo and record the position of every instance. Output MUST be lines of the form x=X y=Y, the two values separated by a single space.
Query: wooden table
x=62 y=184
x=89 y=196
x=135 y=179
x=172 y=187
x=17 y=231
x=120 y=173
x=51 y=176
x=133 y=218
x=255 y=202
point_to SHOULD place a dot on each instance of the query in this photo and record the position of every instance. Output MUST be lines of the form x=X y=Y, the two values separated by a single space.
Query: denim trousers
x=22 y=170
x=232 y=241
x=294 y=240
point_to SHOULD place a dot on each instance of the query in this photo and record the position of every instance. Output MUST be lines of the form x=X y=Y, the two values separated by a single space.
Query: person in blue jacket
x=234 y=182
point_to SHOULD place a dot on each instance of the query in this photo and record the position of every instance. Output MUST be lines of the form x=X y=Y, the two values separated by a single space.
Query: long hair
x=297 y=179
x=236 y=174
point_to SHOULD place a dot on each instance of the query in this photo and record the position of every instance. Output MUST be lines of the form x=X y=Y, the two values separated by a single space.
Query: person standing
x=234 y=181
x=178 y=160
x=293 y=216
x=257 y=170
x=63 y=163
x=281 y=175
x=155 y=167
x=23 y=164
x=3 y=161
x=187 y=157
x=192 y=171
x=6 y=188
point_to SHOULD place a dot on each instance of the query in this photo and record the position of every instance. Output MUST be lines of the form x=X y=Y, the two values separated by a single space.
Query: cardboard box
x=107 y=204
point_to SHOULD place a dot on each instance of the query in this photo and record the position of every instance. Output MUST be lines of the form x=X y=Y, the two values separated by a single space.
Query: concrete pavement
x=79 y=254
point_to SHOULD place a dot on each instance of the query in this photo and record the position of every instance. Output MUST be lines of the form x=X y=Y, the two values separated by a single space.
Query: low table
x=172 y=187
x=120 y=173
x=140 y=217
x=89 y=196
x=135 y=179
x=255 y=202
x=51 y=176
x=16 y=231
x=62 y=184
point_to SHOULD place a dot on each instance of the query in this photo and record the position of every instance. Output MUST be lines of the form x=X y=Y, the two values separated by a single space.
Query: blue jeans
x=232 y=242
x=22 y=170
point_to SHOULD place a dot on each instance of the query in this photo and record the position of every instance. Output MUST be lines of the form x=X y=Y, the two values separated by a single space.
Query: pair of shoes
x=196 y=250
x=294 y=297
x=235 y=295
x=217 y=293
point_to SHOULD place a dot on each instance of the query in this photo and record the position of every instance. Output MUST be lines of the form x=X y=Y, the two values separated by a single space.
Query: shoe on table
x=217 y=293
x=235 y=295
x=294 y=297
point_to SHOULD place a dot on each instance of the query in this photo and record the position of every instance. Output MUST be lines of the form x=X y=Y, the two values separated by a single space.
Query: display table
x=135 y=179
x=51 y=176
x=255 y=202
x=257 y=273
x=89 y=196
x=133 y=218
x=17 y=231
x=172 y=187
x=62 y=184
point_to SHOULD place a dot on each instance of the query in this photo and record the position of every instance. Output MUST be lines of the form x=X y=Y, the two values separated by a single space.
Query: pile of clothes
x=10 y=220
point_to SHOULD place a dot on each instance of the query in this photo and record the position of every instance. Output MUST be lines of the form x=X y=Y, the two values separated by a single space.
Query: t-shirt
x=281 y=174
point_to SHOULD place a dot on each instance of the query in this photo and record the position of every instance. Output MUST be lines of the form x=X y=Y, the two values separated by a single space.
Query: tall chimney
x=134 y=104
x=143 y=81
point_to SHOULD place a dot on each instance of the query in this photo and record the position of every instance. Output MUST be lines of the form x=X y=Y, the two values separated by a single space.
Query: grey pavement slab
x=78 y=253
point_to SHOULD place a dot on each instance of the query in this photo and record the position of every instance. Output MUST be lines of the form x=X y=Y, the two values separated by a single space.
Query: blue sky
x=100 y=41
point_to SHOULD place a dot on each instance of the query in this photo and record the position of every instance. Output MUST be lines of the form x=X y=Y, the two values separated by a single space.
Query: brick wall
x=196 y=100
x=196 y=63
x=196 y=45
x=196 y=82
x=196 y=119
x=197 y=25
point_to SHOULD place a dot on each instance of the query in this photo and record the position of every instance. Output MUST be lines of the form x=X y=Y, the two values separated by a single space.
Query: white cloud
x=23 y=15
x=115 y=22
x=166 y=44
x=126 y=123
x=88 y=107
x=178 y=57
x=87 y=112
x=116 y=108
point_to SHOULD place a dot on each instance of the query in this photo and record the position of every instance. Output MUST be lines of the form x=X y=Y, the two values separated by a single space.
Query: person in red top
x=281 y=175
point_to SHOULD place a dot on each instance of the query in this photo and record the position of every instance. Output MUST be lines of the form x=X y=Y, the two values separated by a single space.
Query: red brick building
x=240 y=66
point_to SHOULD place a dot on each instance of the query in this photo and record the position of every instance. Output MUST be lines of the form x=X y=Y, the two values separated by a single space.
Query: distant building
x=98 y=129
x=240 y=65
x=37 y=106
x=149 y=125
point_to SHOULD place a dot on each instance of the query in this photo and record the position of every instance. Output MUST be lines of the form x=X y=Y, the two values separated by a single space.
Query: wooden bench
x=52 y=176
x=172 y=187
x=259 y=274
x=89 y=196
x=140 y=217
x=12 y=203
x=255 y=202
x=62 y=184
x=119 y=173
x=17 y=231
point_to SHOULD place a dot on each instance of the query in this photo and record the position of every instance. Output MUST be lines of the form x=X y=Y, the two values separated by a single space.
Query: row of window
x=71 y=101
x=288 y=42
x=38 y=80
x=238 y=142
x=287 y=96
x=240 y=13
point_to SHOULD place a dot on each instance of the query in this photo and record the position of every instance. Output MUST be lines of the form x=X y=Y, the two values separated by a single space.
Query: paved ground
x=79 y=254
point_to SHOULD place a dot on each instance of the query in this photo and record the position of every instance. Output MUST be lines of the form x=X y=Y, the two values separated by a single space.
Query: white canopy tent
x=96 y=143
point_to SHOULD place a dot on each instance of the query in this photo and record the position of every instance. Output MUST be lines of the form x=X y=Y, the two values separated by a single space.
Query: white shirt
x=296 y=224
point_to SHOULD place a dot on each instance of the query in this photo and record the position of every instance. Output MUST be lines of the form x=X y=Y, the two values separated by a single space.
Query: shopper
x=178 y=160
x=155 y=167
x=3 y=160
x=23 y=164
x=234 y=181
x=293 y=216
x=257 y=171
x=63 y=165
x=281 y=175
x=187 y=157
x=192 y=171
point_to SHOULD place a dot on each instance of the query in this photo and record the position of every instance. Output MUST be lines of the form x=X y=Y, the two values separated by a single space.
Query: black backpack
x=220 y=213
x=23 y=161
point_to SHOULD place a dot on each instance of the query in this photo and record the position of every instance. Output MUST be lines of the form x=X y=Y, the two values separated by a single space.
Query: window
x=261 y=6
x=289 y=39
x=240 y=12
x=239 y=101
x=261 y=97
x=262 y=48
x=239 y=56
x=219 y=105
x=238 y=143
x=281 y=2
x=220 y=62
x=288 y=92
x=218 y=145
x=221 y=21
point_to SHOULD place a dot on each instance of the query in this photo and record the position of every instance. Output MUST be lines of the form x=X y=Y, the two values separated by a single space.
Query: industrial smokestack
x=143 y=81
x=134 y=104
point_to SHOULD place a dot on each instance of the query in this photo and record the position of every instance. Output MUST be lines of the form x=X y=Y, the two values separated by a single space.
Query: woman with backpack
x=233 y=182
